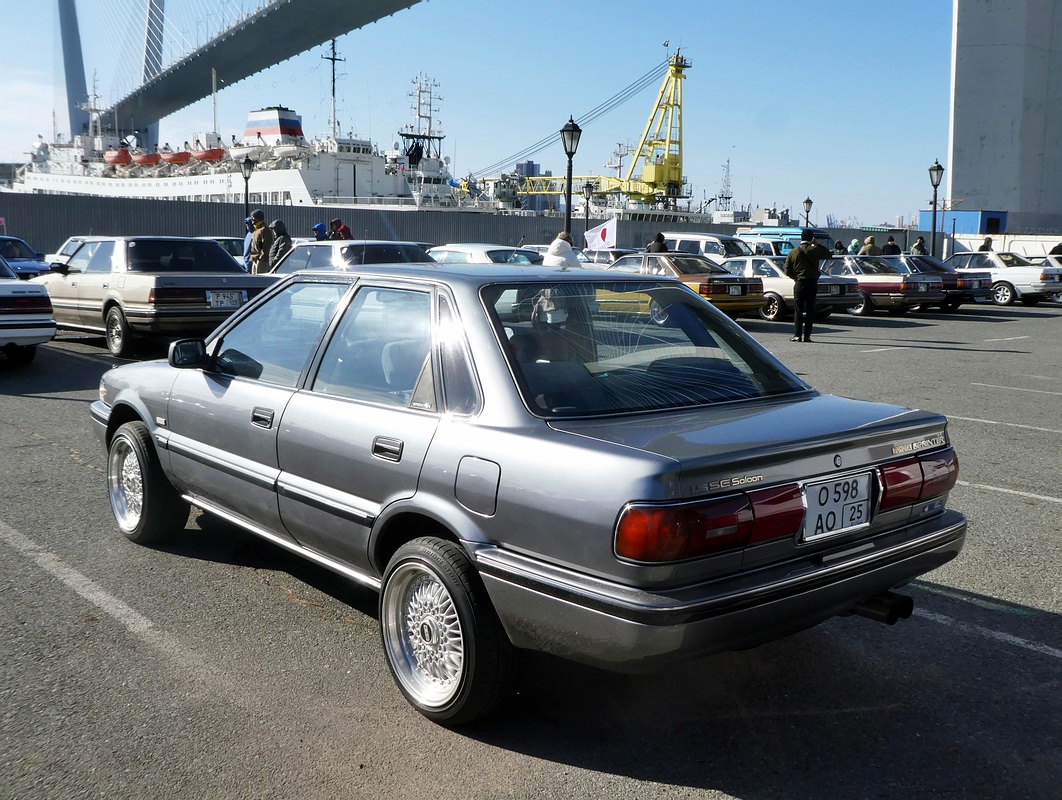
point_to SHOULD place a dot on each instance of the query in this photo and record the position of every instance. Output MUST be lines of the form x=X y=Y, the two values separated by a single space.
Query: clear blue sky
x=845 y=101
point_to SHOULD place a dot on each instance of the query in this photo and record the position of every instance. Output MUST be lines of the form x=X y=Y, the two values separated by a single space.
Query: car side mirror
x=188 y=353
x=58 y=266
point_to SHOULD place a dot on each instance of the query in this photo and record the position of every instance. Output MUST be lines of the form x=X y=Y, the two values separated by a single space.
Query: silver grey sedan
x=602 y=467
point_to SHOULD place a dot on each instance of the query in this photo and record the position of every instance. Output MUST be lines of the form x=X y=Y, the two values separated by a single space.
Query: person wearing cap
x=320 y=232
x=248 y=225
x=869 y=248
x=919 y=247
x=891 y=248
x=560 y=252
x=802 y=265
x=261 y=241
x=337 y=230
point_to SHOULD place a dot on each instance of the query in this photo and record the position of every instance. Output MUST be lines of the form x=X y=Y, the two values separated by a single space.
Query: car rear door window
x=298 y=259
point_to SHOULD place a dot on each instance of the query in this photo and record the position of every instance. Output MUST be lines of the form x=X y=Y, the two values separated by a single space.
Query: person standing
x=986 y=245
x=261 y=241
x=560 y=252
x=869 y=248
x=337 y=230
x=1056 y=250
x=319 y=231
x=248 y=224
x=281 y=241
x=839 y=248
x=802 y=265
x=891 y=248
x=657 y=245
x=853 y=248
x=919 y=248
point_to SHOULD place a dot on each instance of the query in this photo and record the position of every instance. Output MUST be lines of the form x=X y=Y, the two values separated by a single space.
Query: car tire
x=773 y=308
x=864 y=307
x=823 y=314
x=899 y=311
x=1029 y=301
x=21 y=355
x=445 y=646
x=1002 y=294
x=119 y=336
x=146 y=506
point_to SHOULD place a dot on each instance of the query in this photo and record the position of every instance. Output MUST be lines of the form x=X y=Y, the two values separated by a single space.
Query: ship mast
x=333 y=58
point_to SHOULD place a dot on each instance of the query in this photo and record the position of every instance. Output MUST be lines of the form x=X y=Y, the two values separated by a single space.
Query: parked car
x=542 y=249
x=607 y=255
x=1053 y=261
x=834 y=292
x=959 y=287
x=484 y=254
x=732 y=294
x=23 y=259
x=715 y=246
x=1013 y=276
x=882 y=285
x=131 y=286
x=762 y=245
x=233 y=245
x=65 y=250
x=346 y=253
x=513 y=466
x=25 y=316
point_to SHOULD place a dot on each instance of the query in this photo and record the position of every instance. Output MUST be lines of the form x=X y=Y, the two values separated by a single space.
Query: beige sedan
x=835 y=293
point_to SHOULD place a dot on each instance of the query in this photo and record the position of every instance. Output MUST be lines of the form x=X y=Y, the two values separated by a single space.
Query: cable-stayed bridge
x=175 y=70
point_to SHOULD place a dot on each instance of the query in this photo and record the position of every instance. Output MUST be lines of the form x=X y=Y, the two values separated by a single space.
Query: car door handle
x=262 y=417
x=387 y=449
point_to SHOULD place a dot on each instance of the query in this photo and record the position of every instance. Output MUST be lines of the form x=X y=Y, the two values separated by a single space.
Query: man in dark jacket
x=337 y=230
x=891 y=248
x=802 y=265
x=657 y=245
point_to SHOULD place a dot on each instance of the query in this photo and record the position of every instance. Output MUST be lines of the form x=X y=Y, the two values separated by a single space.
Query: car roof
x=697 y=235
x=472 y=273
x=342 y=242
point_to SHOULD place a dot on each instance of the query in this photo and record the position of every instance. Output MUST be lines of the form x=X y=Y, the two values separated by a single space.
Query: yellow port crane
x=659 y=154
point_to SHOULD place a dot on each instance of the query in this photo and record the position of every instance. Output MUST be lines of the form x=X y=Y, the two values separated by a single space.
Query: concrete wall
x=1006 y=121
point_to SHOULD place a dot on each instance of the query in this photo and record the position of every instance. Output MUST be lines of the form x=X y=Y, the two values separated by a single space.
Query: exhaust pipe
x=887 y=607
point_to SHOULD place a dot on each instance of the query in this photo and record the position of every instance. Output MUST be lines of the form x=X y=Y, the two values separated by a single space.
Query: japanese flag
x=603 y=236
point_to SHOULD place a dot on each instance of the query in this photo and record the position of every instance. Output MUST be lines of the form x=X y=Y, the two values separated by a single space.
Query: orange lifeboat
x=147 y=159
x=119 y=156
x=178 y=157
x=209 y=154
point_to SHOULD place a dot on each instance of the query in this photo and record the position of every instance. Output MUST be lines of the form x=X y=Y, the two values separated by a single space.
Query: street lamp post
x=570 y=134
x=936 y=172
x=247 y=167
x=807 y=212
x=588 y=193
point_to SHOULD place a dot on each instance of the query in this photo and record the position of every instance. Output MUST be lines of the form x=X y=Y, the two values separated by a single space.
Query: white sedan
x=1013 y=276
x=835 y=292
x=25 y=316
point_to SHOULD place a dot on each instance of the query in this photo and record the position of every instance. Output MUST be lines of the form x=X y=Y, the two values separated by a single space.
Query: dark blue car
x=23 y=259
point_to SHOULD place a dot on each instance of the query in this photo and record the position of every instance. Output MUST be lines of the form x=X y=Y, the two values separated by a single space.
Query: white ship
x=287 y=168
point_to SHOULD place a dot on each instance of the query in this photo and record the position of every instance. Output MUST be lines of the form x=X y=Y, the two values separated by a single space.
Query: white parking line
x=1008 y=424
x=882 y=349
x=1016 y=389
x=1030 y=495
x=135 y=622
x=1008 y=339
x=988 y=633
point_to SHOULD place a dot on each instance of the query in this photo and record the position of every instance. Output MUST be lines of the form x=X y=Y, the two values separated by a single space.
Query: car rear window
x=5 y=270
x=607 y=347
x=169 y=255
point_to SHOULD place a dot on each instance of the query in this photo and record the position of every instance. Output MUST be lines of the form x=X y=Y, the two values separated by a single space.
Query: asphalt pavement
x=222 y=667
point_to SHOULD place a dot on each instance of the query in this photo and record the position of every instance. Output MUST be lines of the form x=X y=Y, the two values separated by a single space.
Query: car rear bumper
x=23 y=333
x=629 y=630
x=173 y=322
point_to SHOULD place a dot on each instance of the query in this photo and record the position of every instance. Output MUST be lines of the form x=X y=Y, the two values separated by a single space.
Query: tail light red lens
x=26 y=304
x=907 y=482
x=177 y=295
x=778 y=513
x=708 y=289
x=674 y=533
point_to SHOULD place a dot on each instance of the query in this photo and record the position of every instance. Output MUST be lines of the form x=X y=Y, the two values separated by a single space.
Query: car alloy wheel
x=863 y=307
x=118 y=333
x=145 y=504
x=773 y=308
x=1003 y=294
x=444 y=644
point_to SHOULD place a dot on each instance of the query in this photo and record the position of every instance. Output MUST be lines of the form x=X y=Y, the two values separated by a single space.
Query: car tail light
x=778 y=513
x=674 y=533
x=26 y=304
x=708 y=289
x=907 y=482
x=176 y=295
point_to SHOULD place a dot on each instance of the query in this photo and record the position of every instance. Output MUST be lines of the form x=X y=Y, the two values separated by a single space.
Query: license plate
x=835 y=290
x=923 y=287
x=226 y=299
x=734 y=289
x=837 y=506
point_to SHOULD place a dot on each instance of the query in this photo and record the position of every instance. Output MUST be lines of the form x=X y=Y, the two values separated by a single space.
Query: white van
x=714 y=246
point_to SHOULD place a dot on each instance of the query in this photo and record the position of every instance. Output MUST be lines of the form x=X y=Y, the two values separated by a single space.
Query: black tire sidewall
x=161 y=505
x=116 y=313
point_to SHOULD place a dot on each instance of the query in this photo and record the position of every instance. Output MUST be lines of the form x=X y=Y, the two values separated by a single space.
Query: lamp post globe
x=246 y=168
x=936 y=172
x=808 y=203
x=570 y=134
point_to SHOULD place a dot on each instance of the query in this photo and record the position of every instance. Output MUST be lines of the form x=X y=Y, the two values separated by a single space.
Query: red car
x=959 y=287
x=883 y=285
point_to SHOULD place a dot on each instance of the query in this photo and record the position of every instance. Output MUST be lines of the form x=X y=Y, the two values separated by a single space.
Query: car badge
x=837 y=460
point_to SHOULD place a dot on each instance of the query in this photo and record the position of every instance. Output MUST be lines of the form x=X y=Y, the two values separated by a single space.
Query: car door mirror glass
x=187 y=353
